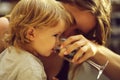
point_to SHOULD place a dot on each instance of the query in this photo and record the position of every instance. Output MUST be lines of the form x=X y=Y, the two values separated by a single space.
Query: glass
x=70 y=57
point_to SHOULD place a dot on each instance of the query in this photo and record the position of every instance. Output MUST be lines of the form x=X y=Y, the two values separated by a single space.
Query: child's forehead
x=58 y=28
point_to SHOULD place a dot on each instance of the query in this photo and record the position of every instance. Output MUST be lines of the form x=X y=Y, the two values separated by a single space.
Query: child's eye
x=56 y=35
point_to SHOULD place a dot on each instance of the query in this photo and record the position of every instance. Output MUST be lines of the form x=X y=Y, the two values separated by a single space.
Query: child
x=35 y=26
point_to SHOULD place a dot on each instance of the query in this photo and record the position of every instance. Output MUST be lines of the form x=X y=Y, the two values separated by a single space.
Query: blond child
x=35 y=27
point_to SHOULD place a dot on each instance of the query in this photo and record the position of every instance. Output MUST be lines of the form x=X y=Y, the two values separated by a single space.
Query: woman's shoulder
x=4 y=23
x=4 y=19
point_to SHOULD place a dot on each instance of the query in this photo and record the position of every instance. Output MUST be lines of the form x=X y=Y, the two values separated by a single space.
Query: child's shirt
x=15 y=65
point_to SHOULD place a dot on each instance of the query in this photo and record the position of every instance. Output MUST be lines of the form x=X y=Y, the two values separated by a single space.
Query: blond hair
x=102 y=13
x=35 y=13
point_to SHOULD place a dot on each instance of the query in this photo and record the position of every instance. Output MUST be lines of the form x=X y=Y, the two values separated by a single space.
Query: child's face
x=45 y=39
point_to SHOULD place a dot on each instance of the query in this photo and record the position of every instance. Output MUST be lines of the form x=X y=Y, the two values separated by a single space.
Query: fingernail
x=65 y=53
x=73 y=60
x=61 y=46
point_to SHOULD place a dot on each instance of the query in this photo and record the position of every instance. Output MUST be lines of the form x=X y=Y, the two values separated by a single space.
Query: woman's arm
x=4 y=24
x=87 y=49
x=113 y=68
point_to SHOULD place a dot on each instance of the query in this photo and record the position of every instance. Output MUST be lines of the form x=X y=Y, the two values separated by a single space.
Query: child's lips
x=54 y=50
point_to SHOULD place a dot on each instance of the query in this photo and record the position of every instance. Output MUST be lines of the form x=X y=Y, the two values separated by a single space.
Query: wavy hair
x=35 y=13
x=101 y=9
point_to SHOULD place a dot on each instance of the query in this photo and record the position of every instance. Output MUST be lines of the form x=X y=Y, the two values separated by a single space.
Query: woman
x=4 y=23
x=92 y=20
x=85 y=21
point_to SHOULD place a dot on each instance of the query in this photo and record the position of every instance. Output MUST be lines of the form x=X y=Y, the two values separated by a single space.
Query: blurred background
x=114 y=43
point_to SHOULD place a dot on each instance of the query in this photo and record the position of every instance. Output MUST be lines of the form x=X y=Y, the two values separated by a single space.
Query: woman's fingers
x=70 y=44
x=80 y=53
x=75 y=46
x=63 y=51
x=83 y=58
x=71 y=39
x=83 y=48
x=54 y=78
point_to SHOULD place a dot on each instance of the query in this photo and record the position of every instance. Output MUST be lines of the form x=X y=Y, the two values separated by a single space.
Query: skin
x=51 y=34
x=81 y=17
x=89 y=49
x=43 y=40
x=93 y=51
x=50 y=69
x=4 y=24
x=98 y=53
x=79 y=40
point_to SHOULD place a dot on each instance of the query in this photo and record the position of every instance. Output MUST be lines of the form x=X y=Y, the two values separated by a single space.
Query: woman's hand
x=85 y=48
x=54 y=78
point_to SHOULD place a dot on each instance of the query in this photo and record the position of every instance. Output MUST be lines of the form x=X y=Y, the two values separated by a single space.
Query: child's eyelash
x=56 y=35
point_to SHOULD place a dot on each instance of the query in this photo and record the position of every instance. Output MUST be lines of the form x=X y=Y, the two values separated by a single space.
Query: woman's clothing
x=82 y=72
x=20 y=65
x=85 y=72
x=63 y=74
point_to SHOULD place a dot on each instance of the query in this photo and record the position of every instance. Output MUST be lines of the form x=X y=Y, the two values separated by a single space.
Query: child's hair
x=102 y=14
x=35 y=13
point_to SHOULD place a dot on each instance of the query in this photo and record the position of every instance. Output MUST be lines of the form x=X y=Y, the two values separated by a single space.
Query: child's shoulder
x=21 y=58
x=26 y=58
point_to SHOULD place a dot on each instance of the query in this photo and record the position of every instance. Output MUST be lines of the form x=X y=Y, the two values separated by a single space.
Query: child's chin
x=48 y=54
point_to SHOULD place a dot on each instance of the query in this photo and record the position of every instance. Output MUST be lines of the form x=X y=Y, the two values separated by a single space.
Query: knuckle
x=81 y=36
x=76 y=44
x=71 y=38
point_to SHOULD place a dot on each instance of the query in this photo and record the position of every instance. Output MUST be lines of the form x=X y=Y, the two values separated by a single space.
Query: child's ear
x=30 y=33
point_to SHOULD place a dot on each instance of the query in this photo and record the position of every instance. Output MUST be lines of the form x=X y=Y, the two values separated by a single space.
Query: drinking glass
x=69 y=57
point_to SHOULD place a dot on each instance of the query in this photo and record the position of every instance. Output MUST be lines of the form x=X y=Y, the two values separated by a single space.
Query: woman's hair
x=101 y=9
x=35 y=13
